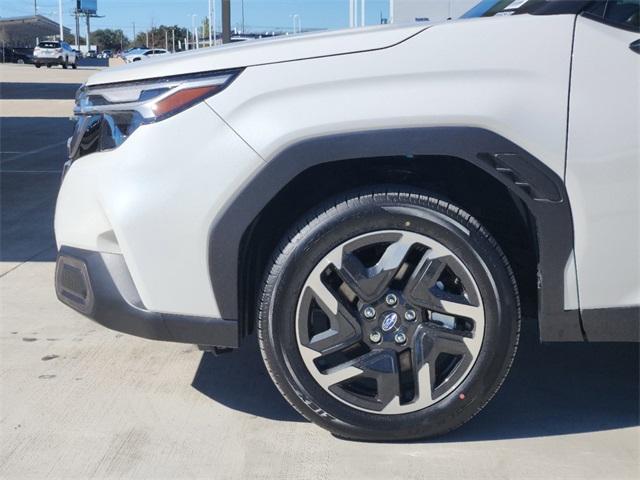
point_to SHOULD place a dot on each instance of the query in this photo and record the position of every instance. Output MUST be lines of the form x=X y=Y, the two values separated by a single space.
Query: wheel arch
x=423 y=158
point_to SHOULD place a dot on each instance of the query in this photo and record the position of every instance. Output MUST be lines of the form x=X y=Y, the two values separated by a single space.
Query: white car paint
x=152 y=199
x=438 y=78
x=128 y=209
x=264 y=51
x=603 y=165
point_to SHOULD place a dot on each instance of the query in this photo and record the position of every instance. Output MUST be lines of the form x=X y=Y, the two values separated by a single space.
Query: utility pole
x=35 y=7
x=213 y=22
x=60 y=20
x=210 y=20
x=147 y=39
x=134 y=33
x=226 y=21
x=88 y=33
x=173 y=40
x=166 y=40
x=362 y=13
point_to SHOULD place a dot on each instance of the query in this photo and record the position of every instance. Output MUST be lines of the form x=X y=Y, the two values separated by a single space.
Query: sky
x=259 y=15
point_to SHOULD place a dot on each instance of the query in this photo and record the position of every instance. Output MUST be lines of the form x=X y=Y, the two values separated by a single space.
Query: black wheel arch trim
x=528 y=178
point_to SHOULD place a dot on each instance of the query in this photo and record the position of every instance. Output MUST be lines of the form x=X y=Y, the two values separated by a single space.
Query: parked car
x=382 y=205
x=143 y=54
x=106 y=54
x=9 y=55
x=54 y=53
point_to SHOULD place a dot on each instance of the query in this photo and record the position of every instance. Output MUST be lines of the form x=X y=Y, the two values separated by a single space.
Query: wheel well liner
x=527 y=178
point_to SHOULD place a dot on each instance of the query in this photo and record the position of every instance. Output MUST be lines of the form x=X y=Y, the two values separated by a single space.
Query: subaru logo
x=389 y=321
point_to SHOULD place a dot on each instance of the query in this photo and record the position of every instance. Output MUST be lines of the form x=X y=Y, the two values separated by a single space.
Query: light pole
x=352 y=13
x=60 y=20
x=297 y=26
x=194 y=30
x=362 y=13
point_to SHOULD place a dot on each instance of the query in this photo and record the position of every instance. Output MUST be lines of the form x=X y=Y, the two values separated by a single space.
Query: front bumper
x=99 y=286
x=153 y=200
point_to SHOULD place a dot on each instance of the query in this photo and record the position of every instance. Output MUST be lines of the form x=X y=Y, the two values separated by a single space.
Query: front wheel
x=389 y=316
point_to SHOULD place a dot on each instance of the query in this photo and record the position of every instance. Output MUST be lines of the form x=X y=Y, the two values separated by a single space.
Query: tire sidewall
x=353 y=218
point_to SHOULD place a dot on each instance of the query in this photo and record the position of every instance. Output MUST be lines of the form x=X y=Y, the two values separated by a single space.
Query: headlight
x=108 y=114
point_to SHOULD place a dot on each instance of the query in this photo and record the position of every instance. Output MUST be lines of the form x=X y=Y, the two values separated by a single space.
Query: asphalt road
x=80 y=401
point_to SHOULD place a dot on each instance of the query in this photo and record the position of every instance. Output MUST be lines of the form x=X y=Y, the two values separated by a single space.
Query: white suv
x=54 y=53
x=382 y=205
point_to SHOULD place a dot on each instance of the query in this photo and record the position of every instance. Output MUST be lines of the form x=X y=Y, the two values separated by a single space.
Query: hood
x=260 y=52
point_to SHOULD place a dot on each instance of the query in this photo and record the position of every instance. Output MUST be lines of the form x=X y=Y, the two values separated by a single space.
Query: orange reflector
x=182 y=99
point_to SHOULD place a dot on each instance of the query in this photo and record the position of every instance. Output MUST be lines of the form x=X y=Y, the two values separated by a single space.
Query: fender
x=541 y=190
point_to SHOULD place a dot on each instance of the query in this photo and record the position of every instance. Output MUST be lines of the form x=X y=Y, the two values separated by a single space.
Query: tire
x=48 y=65
x=65 y=64
x=427 y=251
x=38 y=65
x=75 y=64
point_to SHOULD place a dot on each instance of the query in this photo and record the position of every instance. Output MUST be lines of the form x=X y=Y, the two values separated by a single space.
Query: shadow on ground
x=553 y=389
x=42 y=91
x=33 y=151
x=239 y=380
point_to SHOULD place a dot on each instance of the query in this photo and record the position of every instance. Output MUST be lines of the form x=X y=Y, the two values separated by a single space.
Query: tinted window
x=49 y=45
x=618 y=13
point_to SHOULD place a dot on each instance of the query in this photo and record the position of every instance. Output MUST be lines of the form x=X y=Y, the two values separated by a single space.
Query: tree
x=157 y=37
x=107 y=39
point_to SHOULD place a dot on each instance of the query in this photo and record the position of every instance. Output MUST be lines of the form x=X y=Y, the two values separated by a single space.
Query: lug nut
x=369 y=312
x=375 y=337
x=410 y=315
x=400 y=338
x=391 y=299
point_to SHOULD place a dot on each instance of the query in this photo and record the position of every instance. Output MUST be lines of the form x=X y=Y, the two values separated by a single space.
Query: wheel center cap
x=389 y=320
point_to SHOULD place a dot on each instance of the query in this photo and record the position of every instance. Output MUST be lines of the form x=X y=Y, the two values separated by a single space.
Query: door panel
x=603 y=161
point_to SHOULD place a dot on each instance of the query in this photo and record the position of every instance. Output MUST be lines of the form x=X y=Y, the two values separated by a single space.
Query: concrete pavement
x=80 y=401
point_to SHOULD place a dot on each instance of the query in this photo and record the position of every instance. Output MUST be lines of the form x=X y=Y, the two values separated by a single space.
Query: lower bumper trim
x=99 y=286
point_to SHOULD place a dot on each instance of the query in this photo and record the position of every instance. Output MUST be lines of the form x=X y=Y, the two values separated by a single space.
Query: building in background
x=403 y=11
x=26 y=32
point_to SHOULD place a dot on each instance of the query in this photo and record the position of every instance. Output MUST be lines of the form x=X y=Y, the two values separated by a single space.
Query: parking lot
x=80 y=401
